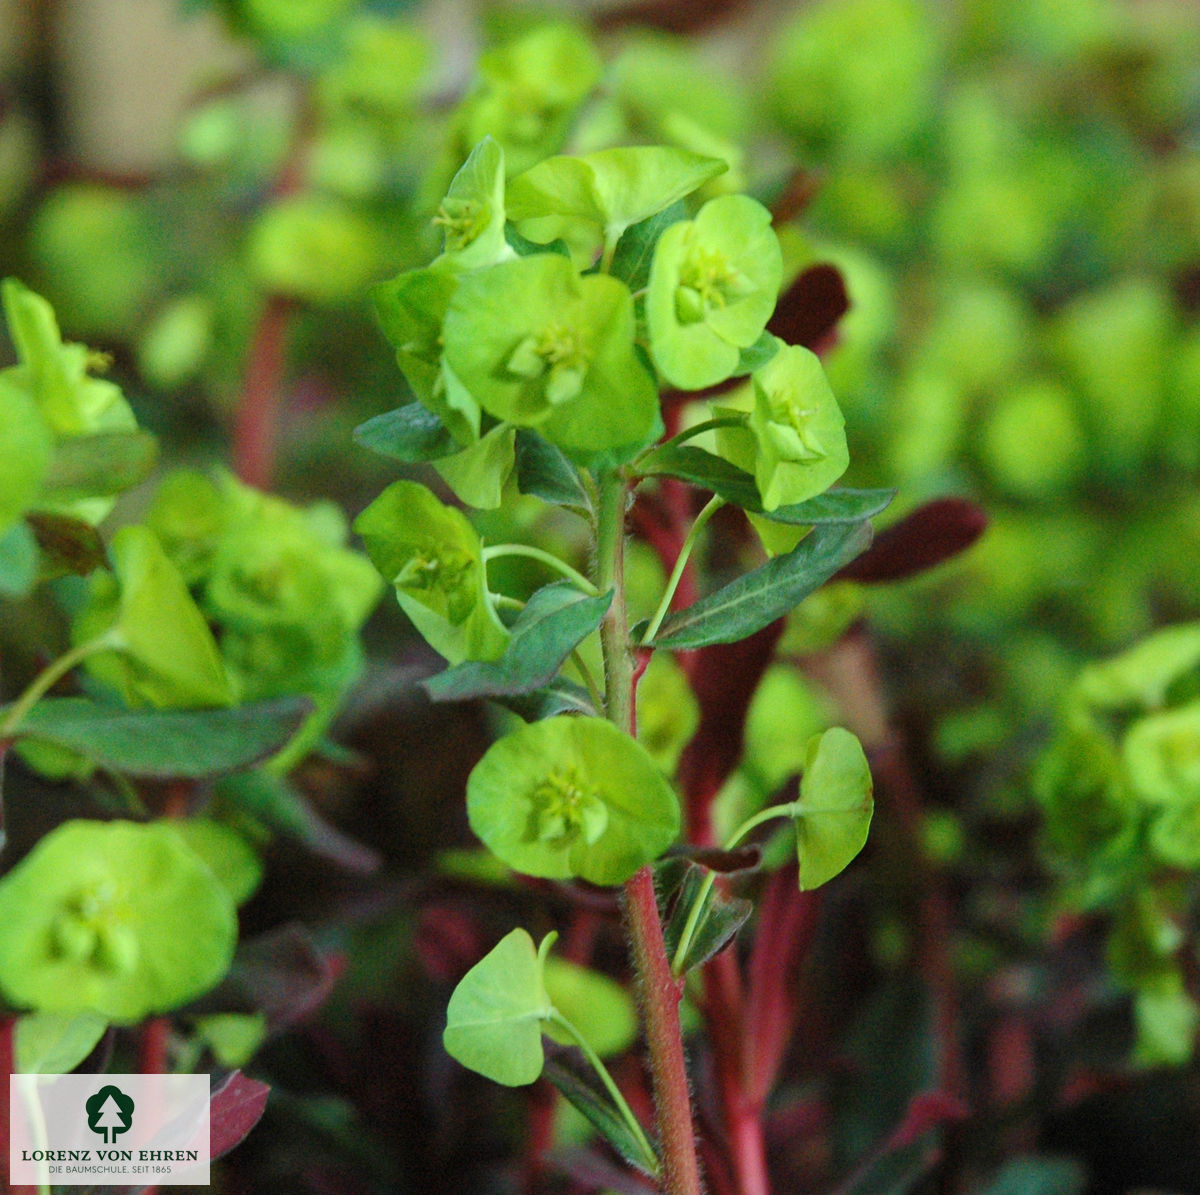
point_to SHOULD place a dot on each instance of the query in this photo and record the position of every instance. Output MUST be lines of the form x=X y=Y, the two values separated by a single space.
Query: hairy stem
x=658 y=989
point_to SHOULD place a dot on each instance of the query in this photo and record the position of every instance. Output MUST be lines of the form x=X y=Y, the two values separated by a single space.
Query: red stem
x=660 y=995
x=256 y=426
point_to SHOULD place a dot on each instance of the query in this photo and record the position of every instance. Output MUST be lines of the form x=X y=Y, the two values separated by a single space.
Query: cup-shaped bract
x=27 y=442
x=163 y=654
x=54 y=375
x=834 y=811
x=1161 y=754
x=795 y=440
x=529 y=91
x=572 y=798
x=117 y=918
x=713 y=286
x=433 y=557
x=495 y=1016
x=471 y=216
x=590 y=200
x=412 y=308
x=537 y=345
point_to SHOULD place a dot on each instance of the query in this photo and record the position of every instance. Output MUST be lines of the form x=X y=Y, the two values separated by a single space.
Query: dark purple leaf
x=235 y=1107
x=931 y=535
x=808 y=311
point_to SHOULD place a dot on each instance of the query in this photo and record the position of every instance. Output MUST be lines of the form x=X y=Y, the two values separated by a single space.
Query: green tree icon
x=109 y=1112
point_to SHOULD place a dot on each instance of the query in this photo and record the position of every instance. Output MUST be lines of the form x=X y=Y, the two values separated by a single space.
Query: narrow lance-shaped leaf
x=494 y=1019
x=769 y=592
x=700 y=468
x=585 y=1093
x=544 y=471
x=723 y=917
x=166 y=744
x=554 y=622
x=834 y=811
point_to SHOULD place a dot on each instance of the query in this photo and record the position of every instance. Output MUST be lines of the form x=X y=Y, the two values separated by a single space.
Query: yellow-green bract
x=53 y=376
x=495 y=1016
x=539 y=346
x=163 y=651
x=572 y=798
x=432 y=556
x=117 y=918
x=795 y=441
x=834 y=811
x=713 y=285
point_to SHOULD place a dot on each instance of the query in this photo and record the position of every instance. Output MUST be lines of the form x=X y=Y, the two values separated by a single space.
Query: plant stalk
x=658 y=989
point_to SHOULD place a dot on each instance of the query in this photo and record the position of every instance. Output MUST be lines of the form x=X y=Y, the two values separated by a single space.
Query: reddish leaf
x=927 y=1111
x=235 y=1107
x=808 y=311
x=671 y=16
x=931 y=535
x=280 y=974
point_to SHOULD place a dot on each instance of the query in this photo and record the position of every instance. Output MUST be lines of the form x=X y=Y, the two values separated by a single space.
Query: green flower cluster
x=47 y=400
x=286 y=595
x=115 y=918
x=1120 y=791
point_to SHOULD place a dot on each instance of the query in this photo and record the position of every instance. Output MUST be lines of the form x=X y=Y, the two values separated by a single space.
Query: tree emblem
x=109 y=1112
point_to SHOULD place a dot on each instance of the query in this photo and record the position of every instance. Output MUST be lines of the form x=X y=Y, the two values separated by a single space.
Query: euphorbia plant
x=544 y=351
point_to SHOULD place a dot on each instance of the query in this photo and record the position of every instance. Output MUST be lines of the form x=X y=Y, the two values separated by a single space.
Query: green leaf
x=593 y=199
x=722 y=918
x=1038 y=1175
x=276 y=806
x=478 y=472
x=585 y=1093
x=635 y=249
x=163 y=652
x=735 y=485
x=544 y=472
x=494 y=1019
x=67 y=545
x=760 y=597
x=99 y=465
x=834 y=811
x=411 y=433
x=556 y=619
x=18 y=561
x=432 y=556
x=116 y=918
x=572 y=797
x=560 y=696
x=168 y=744
x=55 y=1043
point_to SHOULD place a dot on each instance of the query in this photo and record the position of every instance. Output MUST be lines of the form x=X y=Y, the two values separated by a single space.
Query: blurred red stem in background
x=256 y=426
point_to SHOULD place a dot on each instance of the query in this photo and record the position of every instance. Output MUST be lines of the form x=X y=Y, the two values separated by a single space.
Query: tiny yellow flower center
x=564 y=808
x=90 y=929
x=558 y=354
x=461 y=220
x=707 y=279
